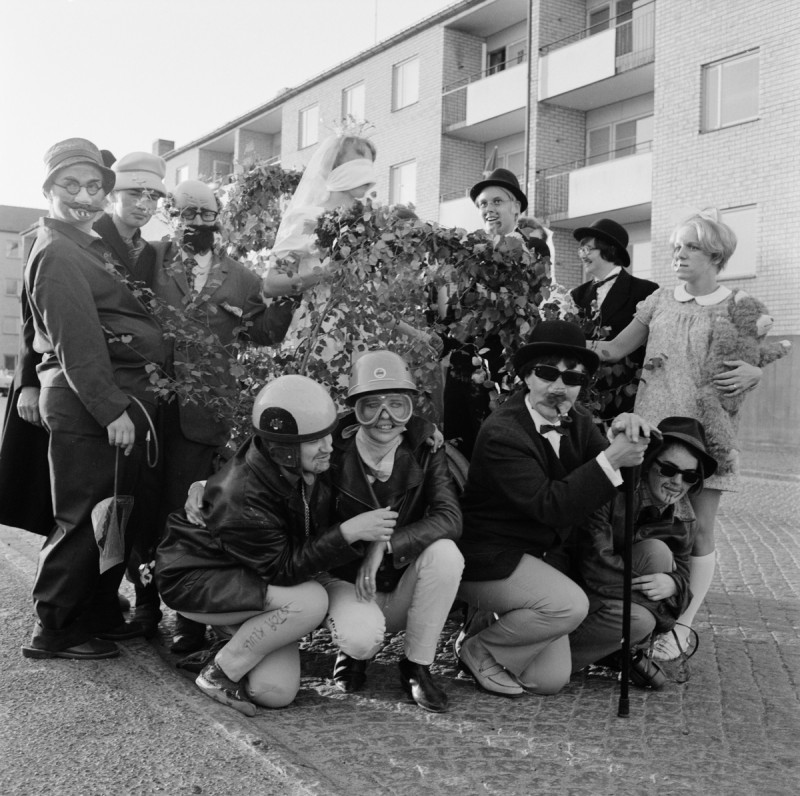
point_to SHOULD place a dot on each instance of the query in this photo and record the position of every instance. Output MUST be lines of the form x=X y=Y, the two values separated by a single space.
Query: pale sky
x=123 y=73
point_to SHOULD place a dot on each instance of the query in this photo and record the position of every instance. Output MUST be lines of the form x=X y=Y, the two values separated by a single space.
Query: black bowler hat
x=556 y=337
x=608 y=230
x=686 y=431
x=502 y=178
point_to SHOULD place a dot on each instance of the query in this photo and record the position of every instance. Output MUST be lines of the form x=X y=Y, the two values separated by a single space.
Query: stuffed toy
x=741 y=334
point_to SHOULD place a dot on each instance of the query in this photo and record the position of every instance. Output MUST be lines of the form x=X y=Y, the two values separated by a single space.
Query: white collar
x=682 y=294
x=612 y=274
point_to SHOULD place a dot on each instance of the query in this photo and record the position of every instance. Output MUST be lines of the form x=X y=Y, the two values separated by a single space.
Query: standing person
x=382 y=459
x=220 y=301
x=264 y=531
x=96 y=339
x=611 y=296
x=540 y=467
x=675 y=466
x=676 y=323
x=500 y=201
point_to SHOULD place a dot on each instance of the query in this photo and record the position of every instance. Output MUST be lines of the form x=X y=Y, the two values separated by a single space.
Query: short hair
x=666 y=445
x=547 y=359
x=354 y=144
x=608 y=251
x=716 y=238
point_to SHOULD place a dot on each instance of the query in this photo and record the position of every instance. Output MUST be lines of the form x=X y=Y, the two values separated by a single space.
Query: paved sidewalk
x=732 y=730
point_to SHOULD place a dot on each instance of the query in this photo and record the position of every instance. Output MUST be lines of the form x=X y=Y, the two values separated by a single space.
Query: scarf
x=378 y=457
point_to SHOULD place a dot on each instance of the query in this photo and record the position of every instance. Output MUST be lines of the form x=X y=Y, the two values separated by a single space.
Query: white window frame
x=308 y=126
x=743 y=220
x=348 y=94
x=399 y=190
x=713 y=76
x=612 y=153
x=405 y=83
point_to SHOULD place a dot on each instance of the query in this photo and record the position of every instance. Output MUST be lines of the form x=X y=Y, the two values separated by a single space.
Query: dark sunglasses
x=571 y=378
x=669 y=470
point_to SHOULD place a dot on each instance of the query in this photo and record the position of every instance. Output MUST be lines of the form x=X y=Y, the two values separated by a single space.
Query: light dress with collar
x=678 y=342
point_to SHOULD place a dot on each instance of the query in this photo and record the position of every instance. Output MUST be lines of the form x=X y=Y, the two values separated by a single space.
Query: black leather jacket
x=257 y=533
x=427 y=502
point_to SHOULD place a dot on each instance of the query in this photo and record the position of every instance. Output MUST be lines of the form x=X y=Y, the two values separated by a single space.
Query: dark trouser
x=164 y=490
x=73 y=601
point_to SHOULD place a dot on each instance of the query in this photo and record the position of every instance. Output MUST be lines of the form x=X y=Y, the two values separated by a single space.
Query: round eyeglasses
x=73 y=187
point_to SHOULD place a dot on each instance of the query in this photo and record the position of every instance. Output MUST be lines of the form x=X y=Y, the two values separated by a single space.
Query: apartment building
x=638 y=110
x=13 y=221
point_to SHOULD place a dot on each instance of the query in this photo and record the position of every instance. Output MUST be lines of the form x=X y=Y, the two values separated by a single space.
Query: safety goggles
x=571 y=378
x=397 y=405
x=669 y=470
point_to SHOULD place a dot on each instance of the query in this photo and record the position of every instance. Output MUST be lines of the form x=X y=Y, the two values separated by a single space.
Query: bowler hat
x=556 y=337
x=502 y=178
x=141 y=170
x=71 y=152
x=608 y=230
x=687 y=431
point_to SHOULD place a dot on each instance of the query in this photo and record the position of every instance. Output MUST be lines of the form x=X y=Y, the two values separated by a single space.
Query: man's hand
x=365 y=580
x=28 y=405
x=657 y=586
x=194 y=504
x=122 y=433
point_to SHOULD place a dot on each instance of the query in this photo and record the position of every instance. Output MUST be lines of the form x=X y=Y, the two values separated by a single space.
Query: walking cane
x=631 y=477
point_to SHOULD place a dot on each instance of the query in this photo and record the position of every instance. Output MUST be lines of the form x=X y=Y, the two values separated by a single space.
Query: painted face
x=690 y=262
x=594 y=266
x=134 y=206
x=667 y=490
x=551 y=398
x=498 y=210
x=315 y=456
x=82 y=208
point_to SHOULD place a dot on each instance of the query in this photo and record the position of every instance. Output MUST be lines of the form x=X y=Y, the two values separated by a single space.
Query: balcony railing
x=552 y=184
x=635 y=37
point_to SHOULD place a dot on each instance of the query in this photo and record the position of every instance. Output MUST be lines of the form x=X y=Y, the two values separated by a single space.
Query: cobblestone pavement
x=731 y=730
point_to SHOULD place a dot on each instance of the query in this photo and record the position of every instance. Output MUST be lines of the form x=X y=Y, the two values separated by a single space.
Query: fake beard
x=198 y=238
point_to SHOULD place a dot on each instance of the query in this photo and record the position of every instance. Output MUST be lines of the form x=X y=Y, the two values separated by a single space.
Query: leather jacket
x=263 y=526
x=425 y=498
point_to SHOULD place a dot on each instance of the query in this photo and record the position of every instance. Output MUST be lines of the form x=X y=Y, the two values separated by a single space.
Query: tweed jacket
x=522 y=498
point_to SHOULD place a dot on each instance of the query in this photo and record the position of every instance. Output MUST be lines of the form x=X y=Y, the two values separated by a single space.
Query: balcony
x=591 y=69
x=576 y=193
x=488 y=105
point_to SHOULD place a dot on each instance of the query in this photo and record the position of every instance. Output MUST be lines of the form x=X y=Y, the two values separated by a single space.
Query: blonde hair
x=715 y=237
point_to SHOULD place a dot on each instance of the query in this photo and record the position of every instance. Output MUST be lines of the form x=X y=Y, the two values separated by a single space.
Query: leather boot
x=418 y=683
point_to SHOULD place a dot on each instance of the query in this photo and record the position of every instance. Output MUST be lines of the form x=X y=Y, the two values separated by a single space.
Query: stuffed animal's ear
x=740 y=295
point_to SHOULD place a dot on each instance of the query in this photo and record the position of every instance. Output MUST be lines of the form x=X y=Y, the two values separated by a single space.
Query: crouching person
x=382 y=457
x=664 y=533
x=266 y=534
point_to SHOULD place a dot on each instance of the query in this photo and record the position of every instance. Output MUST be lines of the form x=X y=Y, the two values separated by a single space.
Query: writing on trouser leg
x=269 y=621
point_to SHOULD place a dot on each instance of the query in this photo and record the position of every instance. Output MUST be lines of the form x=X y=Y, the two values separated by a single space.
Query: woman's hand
x=365 y=580
x=122 y=433
x=371 y=526
x=194 y=504
x=740 y=379
x=655 y=587
x=28 y=405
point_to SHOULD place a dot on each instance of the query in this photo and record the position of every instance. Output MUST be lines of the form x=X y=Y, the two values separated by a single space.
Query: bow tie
x=545 y=428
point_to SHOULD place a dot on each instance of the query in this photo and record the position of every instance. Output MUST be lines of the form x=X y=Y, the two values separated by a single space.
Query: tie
x=596 y=286
x=545 y=428
x=188 y=267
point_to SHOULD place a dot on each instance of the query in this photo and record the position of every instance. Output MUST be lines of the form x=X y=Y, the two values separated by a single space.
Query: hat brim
x=516 y=192
x=139 y=180
x=585 y=356
x=707 y=461
x=592 y=232
x=109 y=177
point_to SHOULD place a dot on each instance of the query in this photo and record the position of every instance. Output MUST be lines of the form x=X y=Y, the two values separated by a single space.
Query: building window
x=403 y=183
x=10 y=325
x=496 y=61
x=730 y=91
x=221 y=168
x=309 y=126
x=619 y=140
x=13 y=286
x=353 y=103
x=12 y=250
x=598 y=19
x=405 y=83
x=743 y=221
x=181 y=174
x=9 y=361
